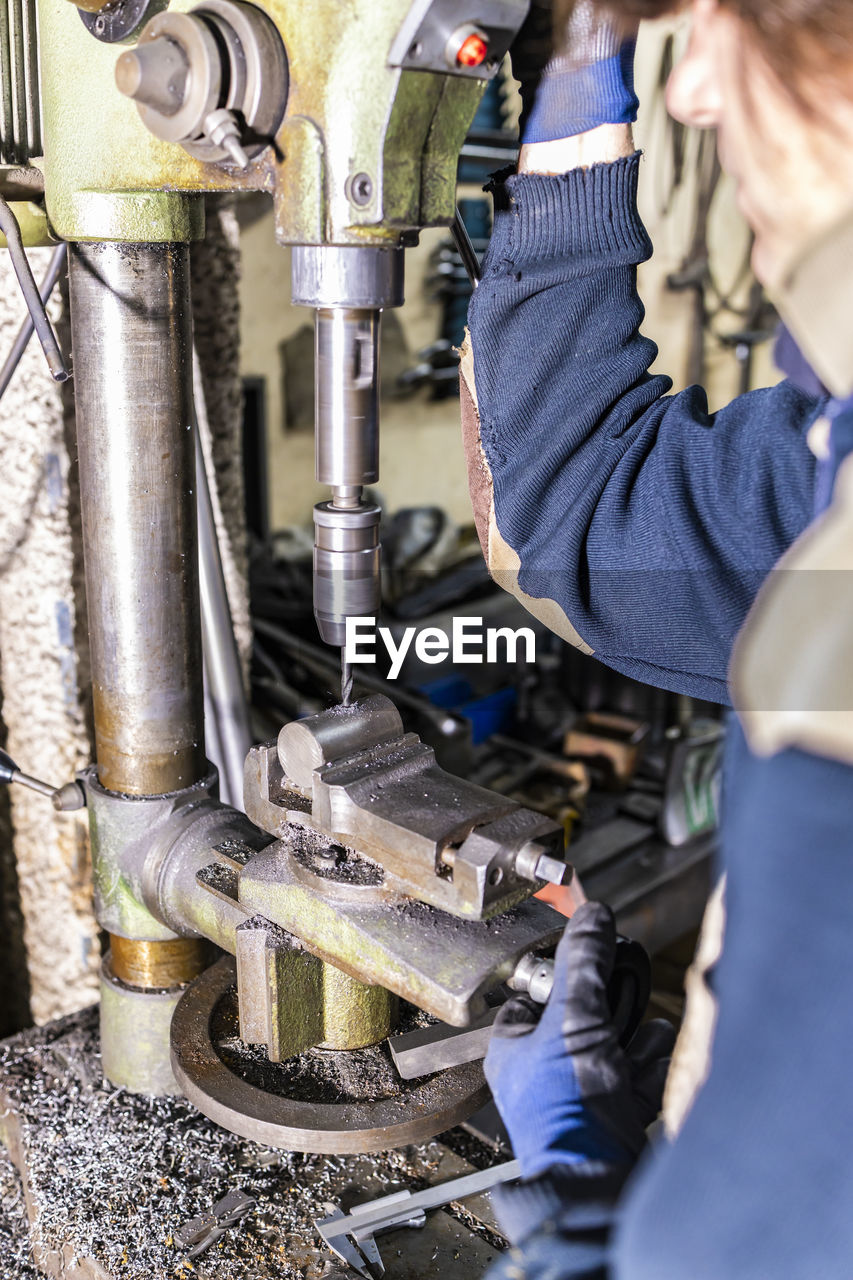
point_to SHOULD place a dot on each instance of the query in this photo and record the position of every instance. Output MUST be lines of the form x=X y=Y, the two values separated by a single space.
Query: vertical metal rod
x=7 y=119
x=20 y=90
x=225 y=693
x=33 y=94
x=130 y=323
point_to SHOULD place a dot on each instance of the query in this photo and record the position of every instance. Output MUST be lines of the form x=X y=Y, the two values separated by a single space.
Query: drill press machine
x=360 y=872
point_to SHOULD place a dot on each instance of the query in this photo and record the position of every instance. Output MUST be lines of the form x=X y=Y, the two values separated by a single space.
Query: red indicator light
x=472 y=51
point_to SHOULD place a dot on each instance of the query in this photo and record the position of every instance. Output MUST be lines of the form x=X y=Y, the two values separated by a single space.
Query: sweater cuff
x=585 y=213
x=577 y=1197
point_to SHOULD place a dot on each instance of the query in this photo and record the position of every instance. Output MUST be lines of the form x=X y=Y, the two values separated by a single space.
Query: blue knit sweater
x=652 y=522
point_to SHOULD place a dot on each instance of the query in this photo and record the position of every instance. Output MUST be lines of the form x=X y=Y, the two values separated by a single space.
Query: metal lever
x=351 y=1236
x=465 y=248
x=64 y=799
x=32 y=297
x=57 y=263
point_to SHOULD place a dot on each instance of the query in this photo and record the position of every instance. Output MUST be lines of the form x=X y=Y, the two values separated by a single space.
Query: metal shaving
x=15 y=1254
x=111 y=1175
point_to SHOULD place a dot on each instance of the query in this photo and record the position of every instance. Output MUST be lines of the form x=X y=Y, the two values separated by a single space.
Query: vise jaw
x=352 y=775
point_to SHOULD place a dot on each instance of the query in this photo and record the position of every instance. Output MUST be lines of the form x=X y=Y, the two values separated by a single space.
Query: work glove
x=586 y=81
x=567 y=1092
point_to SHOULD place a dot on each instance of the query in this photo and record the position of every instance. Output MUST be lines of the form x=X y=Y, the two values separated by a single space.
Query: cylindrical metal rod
x=19 y=346
x=221 y=659
x=32 y=297
x=346 y=382
x=130 y=321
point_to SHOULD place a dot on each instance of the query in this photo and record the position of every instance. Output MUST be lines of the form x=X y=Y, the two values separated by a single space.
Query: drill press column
x=130 y=323
x=348 y=287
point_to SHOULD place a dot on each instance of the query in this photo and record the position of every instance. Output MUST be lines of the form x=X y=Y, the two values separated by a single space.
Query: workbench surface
x=105 y=1178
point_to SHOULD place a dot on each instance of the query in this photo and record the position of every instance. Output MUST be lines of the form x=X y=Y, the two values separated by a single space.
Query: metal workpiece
x=135 y=1025
x=533 y=976
x=306 y=745
x=535 y=861
x=347 y=560
x=290 y=1001
x=126 y=834
x=438 y=838
x=240 y=1101
x=214 y=80
x=130 y=322
x=439 y=962
x=358 y=276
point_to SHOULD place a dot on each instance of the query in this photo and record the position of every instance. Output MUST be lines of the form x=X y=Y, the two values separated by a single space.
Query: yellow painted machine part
x=32 y=220
x=108 y=178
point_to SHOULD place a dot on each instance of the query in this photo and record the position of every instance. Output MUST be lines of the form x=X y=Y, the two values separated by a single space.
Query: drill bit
x=346 y=679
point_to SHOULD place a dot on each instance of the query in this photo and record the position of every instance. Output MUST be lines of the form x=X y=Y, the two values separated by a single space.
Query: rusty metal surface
x=157 y=964
x=289 y=1104
x=108 y=1178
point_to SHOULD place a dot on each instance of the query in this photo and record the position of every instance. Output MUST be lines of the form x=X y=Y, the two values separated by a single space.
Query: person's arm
x=638 y=525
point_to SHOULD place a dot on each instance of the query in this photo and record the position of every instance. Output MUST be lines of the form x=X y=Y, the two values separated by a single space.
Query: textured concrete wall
x=43 y=668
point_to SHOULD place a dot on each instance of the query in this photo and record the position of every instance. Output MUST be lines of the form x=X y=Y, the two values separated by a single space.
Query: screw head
x=360 y=189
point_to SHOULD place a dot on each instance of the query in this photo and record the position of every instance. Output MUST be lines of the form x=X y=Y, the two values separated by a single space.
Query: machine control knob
x=468 y=46
x=214 y=80
x=155 y=74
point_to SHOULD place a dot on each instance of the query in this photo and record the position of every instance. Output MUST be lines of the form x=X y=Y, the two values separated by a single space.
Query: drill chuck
x=346 y=567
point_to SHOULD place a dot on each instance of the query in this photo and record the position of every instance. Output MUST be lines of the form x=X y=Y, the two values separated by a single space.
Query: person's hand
x=565 y=1089
x=587 y=81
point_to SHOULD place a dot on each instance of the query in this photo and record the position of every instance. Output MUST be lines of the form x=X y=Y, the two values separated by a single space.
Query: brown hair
x=800 y=39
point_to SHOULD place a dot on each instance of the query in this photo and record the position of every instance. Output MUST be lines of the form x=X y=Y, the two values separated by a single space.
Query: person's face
x=794 y=171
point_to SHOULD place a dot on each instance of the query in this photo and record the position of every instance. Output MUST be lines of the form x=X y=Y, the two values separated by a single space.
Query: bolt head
x=553 y=870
